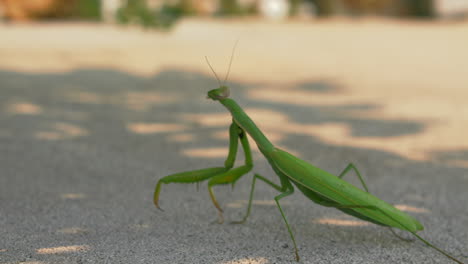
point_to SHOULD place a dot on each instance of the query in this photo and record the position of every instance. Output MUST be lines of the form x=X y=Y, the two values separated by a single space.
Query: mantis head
x=220 y=93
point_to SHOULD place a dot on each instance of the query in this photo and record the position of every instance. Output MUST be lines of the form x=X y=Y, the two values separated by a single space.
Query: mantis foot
x=297 y=256
x=238 y=222
x=400 y=237
x=220 y=219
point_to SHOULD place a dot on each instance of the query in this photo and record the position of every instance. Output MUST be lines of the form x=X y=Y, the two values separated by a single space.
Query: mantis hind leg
x=349 y=167
x=363 y=183
x=400 y=237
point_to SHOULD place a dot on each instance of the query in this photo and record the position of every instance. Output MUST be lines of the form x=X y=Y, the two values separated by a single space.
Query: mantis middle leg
x=288 y=192
x=286 y=189
x=252 y=188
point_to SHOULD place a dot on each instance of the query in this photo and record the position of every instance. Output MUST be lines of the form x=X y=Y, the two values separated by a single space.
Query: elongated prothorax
x=244 y=121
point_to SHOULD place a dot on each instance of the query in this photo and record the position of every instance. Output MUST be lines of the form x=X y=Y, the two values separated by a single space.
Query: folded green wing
x=341 y=192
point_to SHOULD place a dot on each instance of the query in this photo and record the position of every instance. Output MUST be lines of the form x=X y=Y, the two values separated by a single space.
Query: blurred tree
x=138 y=12
x=374 y=7
x=422 y=8
x=419 y=8
x=24 y=10
x=88 y=9
x=199 y=7
x=329 y=7
x=233 y=8
x=294 y=7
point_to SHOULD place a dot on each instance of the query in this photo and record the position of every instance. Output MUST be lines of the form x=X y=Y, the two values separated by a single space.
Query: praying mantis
x=316 y=184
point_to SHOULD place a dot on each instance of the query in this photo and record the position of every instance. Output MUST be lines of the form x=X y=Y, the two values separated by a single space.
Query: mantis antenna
x=216 y=75
x=229 y=67
x=230 y=61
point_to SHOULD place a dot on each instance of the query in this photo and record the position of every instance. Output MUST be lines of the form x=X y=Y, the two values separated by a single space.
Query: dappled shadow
x=453 y=157
x=348 y=114
x=82 y=151
x=71 y=105
x=320 y=86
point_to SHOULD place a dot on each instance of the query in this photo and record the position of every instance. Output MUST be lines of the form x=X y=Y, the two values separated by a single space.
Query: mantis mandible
x=316 y=184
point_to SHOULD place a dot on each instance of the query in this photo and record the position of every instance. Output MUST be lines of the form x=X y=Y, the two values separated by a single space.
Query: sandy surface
x=92 y=116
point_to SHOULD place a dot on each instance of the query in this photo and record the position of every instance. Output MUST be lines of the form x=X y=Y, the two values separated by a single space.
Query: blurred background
x=352 y=51
x=163 y=13
x=100 y=99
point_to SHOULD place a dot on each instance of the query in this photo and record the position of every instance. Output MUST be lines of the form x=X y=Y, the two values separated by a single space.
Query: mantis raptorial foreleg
x=186 y=177
x=231 y=176
x=197 y=176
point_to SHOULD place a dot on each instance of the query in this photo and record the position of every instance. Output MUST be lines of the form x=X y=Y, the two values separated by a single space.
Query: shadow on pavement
x=81 y=152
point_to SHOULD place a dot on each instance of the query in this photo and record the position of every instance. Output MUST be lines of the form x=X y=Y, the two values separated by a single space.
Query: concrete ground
x=92 y=116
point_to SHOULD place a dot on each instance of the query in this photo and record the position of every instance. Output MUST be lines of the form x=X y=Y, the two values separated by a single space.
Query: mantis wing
x=314 y=183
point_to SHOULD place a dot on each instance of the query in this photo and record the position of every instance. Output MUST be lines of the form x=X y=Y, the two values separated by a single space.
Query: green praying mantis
x=316 y=184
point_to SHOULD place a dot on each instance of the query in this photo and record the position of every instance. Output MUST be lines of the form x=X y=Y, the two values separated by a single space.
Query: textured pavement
x=92 y=116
